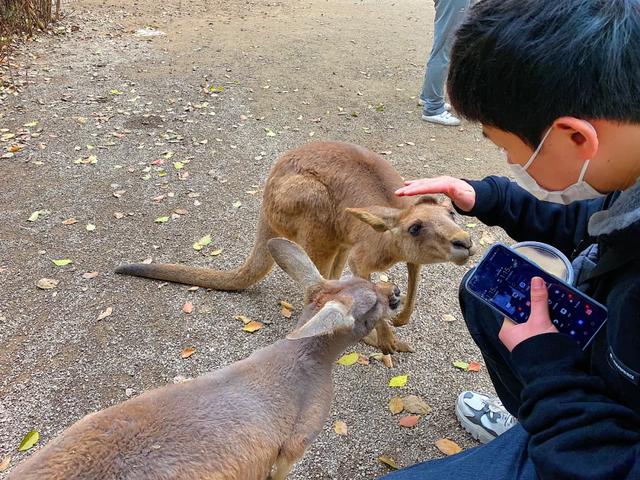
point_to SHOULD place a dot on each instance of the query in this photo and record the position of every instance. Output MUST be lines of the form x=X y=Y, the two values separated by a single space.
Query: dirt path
x=108 y=104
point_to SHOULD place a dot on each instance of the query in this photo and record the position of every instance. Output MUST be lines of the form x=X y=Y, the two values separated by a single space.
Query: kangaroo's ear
x=294 y=261
x=333 y=316
x=380 y=219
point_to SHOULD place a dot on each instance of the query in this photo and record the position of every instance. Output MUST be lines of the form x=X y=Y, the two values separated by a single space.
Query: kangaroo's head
x=425 y=232
x=348 y=308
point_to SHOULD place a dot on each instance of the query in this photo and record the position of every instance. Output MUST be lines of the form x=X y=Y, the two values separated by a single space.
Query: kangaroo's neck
x=321 y=351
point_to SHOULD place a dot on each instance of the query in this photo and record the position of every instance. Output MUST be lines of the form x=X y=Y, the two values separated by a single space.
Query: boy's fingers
x=539 y=300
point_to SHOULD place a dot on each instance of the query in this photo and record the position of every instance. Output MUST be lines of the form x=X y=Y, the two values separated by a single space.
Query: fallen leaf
x=31 y=124
x=396 y=405
x=90 y=227
x=486 y=239
x=181 y=211
x=62 y=262
x=348 y=359
x=376 y=356
x=187 y=307
x=89 y=275
x=47 y=283
x=192 y=289
x=4 y=464
x=216 y=252
x=187 y=352
x=409 y=421
x=161 y=219
x=147 y=261
x=461 y=365
x=70 y=221
x=37 y=214
x=387 y=460
x=474 y=367
x=252 y=326
x=203 y=242
x=107 y=312
x=178 y=165
x=363 y=359
x=447 y=317
x=471 y=225
x=237 y=204
x=447 y=446
x=340 y=427
x=285 y=304
x=29 y=440
x=115 y=91
x=399 y=381
x=118 y=215
x=270 y=133
x=286 y=312
x=416 y=405
x=243 y=318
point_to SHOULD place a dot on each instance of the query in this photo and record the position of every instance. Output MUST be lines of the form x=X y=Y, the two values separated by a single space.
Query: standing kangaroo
x=337 y=201
x=251 y=420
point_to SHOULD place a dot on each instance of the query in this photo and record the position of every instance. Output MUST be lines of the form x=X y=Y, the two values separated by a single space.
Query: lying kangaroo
x=315 y=196
x=251 y=420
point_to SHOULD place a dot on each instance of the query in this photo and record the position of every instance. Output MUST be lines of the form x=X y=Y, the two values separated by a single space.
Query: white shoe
x=483 y=417
x=444 y=118
x=447 y=106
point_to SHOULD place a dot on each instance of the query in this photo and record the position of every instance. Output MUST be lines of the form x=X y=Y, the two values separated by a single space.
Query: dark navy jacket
x=582 y=409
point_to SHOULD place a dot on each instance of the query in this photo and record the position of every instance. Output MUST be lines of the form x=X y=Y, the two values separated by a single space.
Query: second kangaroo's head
x=348 y=308
x=425 y=232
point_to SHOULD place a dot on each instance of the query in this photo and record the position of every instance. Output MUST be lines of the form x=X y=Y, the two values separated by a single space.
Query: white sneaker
x=483 y=417
x=447 y=106
x=445 y=118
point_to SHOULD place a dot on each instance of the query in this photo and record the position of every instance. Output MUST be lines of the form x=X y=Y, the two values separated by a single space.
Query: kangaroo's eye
x=414 y=229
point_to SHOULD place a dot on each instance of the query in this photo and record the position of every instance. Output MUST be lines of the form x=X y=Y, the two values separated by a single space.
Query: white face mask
x=580 y=190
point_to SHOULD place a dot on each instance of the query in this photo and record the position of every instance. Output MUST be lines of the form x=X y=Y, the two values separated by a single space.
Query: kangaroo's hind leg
x=339 y=262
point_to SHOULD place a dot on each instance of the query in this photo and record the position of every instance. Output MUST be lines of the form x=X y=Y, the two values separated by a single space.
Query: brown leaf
x=187 y=352
x=252 y=326
x=69 y=221
x=409 y=421
x=447 y=446
x=387 y=460
x=192 y=289
x=474 y=367
x=187 y=307
x=363 y=359
x=47 y=283
x=396 y=405
x=181 y=211
x=387 y=360
x=447 y=317
x=340 y=427
x=118 y=215
x=286 y=313
x=89 y=275
x=107 y=312
x=243 y=318
x=416 y=405
x=4 y=464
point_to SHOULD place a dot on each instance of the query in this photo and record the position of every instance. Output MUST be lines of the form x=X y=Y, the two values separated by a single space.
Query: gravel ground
x=291 y=71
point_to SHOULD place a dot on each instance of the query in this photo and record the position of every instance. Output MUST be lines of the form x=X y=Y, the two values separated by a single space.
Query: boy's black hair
x=519 y=64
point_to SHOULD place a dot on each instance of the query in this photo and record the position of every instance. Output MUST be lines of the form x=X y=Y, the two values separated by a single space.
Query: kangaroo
x=337 y=201
x=251 y=420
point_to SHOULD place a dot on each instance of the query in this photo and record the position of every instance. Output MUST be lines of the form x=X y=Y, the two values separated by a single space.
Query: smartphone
x=502 y=280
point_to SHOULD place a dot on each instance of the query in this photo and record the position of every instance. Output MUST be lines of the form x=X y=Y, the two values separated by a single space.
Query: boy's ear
x=380 y=219
x=333 y=316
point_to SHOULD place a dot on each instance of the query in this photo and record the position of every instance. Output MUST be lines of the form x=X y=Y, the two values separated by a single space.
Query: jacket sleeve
x=501 y=202
x=577 y=430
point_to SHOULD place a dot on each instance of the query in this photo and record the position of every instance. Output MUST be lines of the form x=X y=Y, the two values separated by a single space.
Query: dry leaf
x=243 y=318
x=252 y=326
x=70 y=221
x=187 y=307
x=192 y=289
x=118 y=215
x=47 y=283
x=409 y=421
x=216 y=252
x=340 y=427
x=187 y=352
x=147 y=261
x=363 y=359
x=416 y=405
x=89 y=275
x=4 y=464
x=399 y=381
x=387 y=460
x=461 y=365
x=105 y=314
x=396 y=405
x=447 y=446
x=474 y=367
x=90 y=227
x=348 y=359
x=286 y=313
x=180 y=211
x=447 y=317
x=285 y=304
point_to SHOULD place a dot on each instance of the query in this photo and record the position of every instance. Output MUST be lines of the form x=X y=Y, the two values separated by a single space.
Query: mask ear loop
x=584 y=170
x=537 y=150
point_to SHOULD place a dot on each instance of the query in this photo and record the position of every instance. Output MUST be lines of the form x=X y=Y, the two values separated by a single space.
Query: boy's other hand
x=460 y=192
x=512 y=334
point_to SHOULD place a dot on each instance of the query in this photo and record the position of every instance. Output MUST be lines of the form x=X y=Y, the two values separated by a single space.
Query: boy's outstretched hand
x=460 y=192
x=512 y=334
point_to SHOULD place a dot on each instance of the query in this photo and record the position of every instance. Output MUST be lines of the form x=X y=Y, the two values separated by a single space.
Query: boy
x=555 y=85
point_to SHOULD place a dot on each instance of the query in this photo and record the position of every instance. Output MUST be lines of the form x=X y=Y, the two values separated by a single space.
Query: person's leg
x=484 y=324
x=449 y=14
x=505 y=458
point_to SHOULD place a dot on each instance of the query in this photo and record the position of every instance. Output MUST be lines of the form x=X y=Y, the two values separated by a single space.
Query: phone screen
x=502 y=279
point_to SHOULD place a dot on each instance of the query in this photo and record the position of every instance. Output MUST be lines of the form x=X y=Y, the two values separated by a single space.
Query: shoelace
x=497 y=412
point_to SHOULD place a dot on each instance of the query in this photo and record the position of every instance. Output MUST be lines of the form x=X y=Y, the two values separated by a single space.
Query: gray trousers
x=449 y=15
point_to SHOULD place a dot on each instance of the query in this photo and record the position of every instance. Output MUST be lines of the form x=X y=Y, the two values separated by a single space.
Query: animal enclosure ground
x=134 y=147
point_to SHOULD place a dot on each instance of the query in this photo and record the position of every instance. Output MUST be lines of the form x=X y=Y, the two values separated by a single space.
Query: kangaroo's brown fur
x=251 y=420
x=337 y=201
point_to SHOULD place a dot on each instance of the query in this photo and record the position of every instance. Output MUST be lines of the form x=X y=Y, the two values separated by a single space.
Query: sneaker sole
x=476 y=432
x=431 y=120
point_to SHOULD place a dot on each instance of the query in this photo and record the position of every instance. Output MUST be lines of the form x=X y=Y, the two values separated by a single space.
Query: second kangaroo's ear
x=380 y=219
x=333 y=316
x=294 y=261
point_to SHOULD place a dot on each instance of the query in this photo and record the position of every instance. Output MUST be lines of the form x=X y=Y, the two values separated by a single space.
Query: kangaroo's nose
x=462 y=243
x=396 y=291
